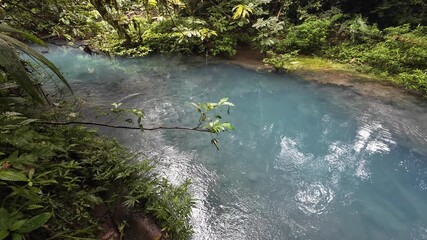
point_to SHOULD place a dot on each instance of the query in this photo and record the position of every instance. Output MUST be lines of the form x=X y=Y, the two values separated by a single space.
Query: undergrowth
x=65 y=172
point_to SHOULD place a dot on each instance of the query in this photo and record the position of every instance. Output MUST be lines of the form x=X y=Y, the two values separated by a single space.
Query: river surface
x=306 y=160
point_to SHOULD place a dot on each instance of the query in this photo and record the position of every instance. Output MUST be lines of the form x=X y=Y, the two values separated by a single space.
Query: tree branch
x=122 y=127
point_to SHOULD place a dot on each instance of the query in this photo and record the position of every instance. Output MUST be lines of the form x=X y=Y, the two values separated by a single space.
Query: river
x=306 y=160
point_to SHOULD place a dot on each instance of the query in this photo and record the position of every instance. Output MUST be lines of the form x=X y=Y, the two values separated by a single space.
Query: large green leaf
x=34 y=223
x=10 y=64
x=4 y=219
x=12 y=176
x=34 y=54
x=18 y=224
x=17 y=236
x=3 y=234
x=28 y=36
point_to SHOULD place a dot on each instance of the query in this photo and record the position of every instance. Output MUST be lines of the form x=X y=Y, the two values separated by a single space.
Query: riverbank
x=328 y=72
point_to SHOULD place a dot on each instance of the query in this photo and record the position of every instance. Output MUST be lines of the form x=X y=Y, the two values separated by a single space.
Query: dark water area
x=306 y=161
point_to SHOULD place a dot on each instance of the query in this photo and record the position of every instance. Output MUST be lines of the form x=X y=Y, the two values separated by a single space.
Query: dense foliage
x=383 y=37
x=65 y=172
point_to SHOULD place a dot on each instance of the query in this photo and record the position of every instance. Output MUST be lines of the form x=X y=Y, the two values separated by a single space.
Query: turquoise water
x=306 y=161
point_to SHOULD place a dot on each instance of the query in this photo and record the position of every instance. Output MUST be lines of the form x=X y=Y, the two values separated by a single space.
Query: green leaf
x=28 y=36
x=13 y=176
x=18 y=224
x=34 y=54
x=152 y=3
x=34 y=206
x=3 y=234
x=241 y=11
x=16 y=71
x=228 y=104
x=17 y=236
x=34 y=223
x=4 y=219
x=31 y=173
x=223 y=100
x=94 y=199
x=228 y=126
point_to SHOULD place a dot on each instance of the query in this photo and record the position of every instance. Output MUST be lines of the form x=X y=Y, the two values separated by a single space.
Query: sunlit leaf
x=12 y=175
x=241 y=11
x=28 y=36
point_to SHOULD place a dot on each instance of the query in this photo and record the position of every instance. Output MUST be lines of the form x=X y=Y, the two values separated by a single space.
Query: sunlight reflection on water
x=306 y=161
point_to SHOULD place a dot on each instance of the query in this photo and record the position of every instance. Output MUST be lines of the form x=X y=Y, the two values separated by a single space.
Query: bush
x=401 y=54
x=64 y=172
x=358 y=31
x=224 y=46
x=309 y=38
x=416 y=79
x=279 y=61
x=403 y=50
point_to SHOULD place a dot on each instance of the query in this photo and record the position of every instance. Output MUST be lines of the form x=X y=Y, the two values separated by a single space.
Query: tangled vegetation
x=63 y=173
x=383 y=37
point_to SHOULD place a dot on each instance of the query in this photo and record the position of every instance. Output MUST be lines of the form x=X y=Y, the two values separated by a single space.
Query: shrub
x=279 y=61
x=416 y=79
x=67 y=171
x=357 y=30
x=403 y=50
x=224 y=46
x=310 y=37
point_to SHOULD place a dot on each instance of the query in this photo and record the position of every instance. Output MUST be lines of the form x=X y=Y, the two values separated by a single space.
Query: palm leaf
x=5 y=101
x=29 y=36
x=6 y=85
x=32 y=53
x=10 y=64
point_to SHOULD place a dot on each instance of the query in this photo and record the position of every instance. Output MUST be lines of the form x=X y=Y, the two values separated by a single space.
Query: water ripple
x=314 y=198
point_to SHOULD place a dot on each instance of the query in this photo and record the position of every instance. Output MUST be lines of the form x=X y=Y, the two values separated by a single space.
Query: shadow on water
x=306 y=161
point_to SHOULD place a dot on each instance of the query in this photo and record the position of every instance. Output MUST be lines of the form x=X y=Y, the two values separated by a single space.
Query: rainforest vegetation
x=53 y=173
x=384 y=37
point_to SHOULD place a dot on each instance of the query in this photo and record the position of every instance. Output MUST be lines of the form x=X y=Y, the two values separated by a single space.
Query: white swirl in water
x=314 y=199
x=373 y=138
x=289 y=152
